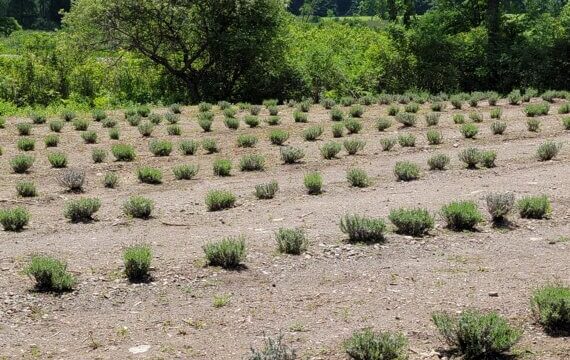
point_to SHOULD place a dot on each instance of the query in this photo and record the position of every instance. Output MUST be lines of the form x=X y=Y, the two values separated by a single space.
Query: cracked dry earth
x=315 y=300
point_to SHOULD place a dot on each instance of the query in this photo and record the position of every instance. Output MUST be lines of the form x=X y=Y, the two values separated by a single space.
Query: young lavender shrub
x=300 y=117
x=111 y=180
x=457 y=102
x=550 y=304
x=406 y=171
x=532 y=110
x=476 y=117
x=437 y=106
x=254 y=110
x=458 y=119
x=434 y=137
x=26 y=189
x=412 y=108
x=176 y=108
x=134 y=120
x=56 y=125
x=273 y=120
x=98 y=115
x=469 y=130
x=406 y=119
x=548 y=150
x=149 y=175
x=461 y=215
x=383 y=123
x=413 y=222
x=21 y=163
x=246 y=141
x=146 y=128
x=356 y=111
x=89 y=137
x=407 y=140
x=564 y=109
x=357 y=178
x=291 y=155
x=313 y=133
x=51 y=140
x=185 y=172
x=58 y=160
x=533 y=125
x=80 y=124
x=353 y=126
x=369 y=345
x=14 y=219
x=251 y=120
x=114 y=134
x=174 y=130
x=204 y=106
x=72 y=180
x=231 y=123
x=534 y=207
x=438 y=162
x=138 y=207
x=266 y=191
x=388 y=143
x=488 y=158
x=496 y=113
x=471 y=157
x=172 y=118
x=26 y=144
x=143 y=110
x=227 y=253
x=81 y=210
x=432 y=119
x=363 y=229
x=353 y=146
x=278 y=137
x=337 y=130
x=514 y=97
x=252 y=162
x=314 y=183
x=123 y=152
x=160 y=147
x=304 y=106
x=498 y=127
x=330 y=150
x=222 y=167
x=328 y=103
x=291 y=241
x=499 y=206
x=137 y=260
x=210 y=145
x=336 y=114
x=393 y=110
x=188 y=147
x=50 y=274
x=217 y=200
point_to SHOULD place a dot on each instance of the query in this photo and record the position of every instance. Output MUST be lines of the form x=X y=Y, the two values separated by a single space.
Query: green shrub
x=514 y=97
x=456 y=102
x=222 y=167
x=246 y=141
x=313 y=182
x=407 y=140
x=24 y=129
x=337 y=130
x=51 y=140
x=388 y=143
x=383 y=123
x=81 y=210
x=330 y=150
x=533 y=125
x=437 y=106
x=219 y=200
x=564 y=108
x=367 y=100
x=231 y=123
x=210 y=145
x=352 y=125
x=434 y=137
x=143 y=110
x=548 y=150
x=185 y=172
x=476 y=117
x=56 y=125
x=273 y=110
x=356 y=111
x=300 y=117
x=471 y=157
x=68 y=115
x=368 y=345
x=353 y=146
x=57 y=160
x=174 y=130
x=496 y=113
x=476 y=335
x=499 y=205
x=438 y=162
x=363 y=229
x=498 y=127
x=267 y=190
x=188 y=147
x=80 y=124
x=566 y=122
x=291 y=155
x=176 y=108
x=549 y=96
x=38 y=118
x=223 y=105
x=50 y=274
x=357 y=178
x=98 y=155
x=385 y=99
x=406 y=119
x=252 y=162
x=154 y=119
x=461 y=215
x=227 y=253
x=99 y=115
x=532 y=110
x=406 y=171
x=347 y=101
x=469 y=131
x=123 y=152
x=458 y=119
x=172 y=118
x=21 y=163
x=328 y=103
x=278 y=137
x=137 y=260
x=492 y=98
x=14 y=219
x=432 y=119
x=393 y=110
x=273 y=120
x=110 y=180
x=488 y=158
x=114 y=134
x=412 y=108
x=130 y=112
x=149 y=175
x=551 y=305
x=534 y=207
x=26 y=144
x=134 y=120
x=26 y=189
x=254 y=110
x=204 y=106
x=89 y=137
x=529 y=94
x=413 y=222
x=72 y=179
x=291 y=241
x=146 y=128
x=138 y=207
x=336 y=114
x=205 y=124
x=160 y=147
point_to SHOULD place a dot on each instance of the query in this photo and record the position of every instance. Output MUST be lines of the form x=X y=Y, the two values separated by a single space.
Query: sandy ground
x=315 y=300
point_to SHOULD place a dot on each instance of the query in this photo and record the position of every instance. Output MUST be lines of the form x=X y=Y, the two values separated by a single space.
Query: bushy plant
x=352 y=125
x=109 y=123
x=498 y=127
x=548 y=150
x=57 y=160
x=475 y=117
x=278 y=137
x=412 y=108
x=291 y=155
x=222 y=167
x=172 y=118
x=51 y=140
x=529 y=94
x=492 y=98
x=471 y=157
x=56 y=125
x=367 y=100
x=50 y=274
x=175 y=108
x=388 y=143
x=312 y=133
x=549 y=96
x=369 y=345
x=476 y=335
x=223 y=105
x=123 y=152
x=566 y=122
x=363 y=229
x=304 y=106
x=551 y=305
x=385 y=99
x=146 y=128
x=514 y=97
x=383 y=123
x=330 y=150
x=337 y=130
x=353 y=146
x=461 y=215
x=26 y=189
x=89 y=137
x=328 y=103
x=488 y=158
x=160 y=147
x=347 y=100
x=532 y=110
x=210 y=145
x=393 y=110
x=205 y=123
x=356 y=111
x=457 y=102
x=273 y=120
x=68 y=115
x=496 y=113
x=406 y=119
x=434 y=137
x=357 y=178
x=129 y=112
x=432 y=119
x=99 y=115
x=246 y=140
x=26 y=144
x=300 y=117
x=407 y=140
x=336 y=114
x=500 y=205
x=80 y=124
x=231 y=123
x=14 y=219
x=81 y=210
x=137 y=260
x=564 y=108
x=437 y=106
x=110 y=180
x=149 y=175
x=273 y=110
x=252 y=162
x=458 y=119
x=174 y=130
x=438 y=162
x=534 y=207
x=254 y=110
x=204 y=106
x=413 y=222
x=134 y=120
x=291 y=241
x=313 y=182
x=38 y=118
x=185 y=172
x=114 y=134
x=143 y=110
x=406 y=171
x=21 y=163
x=267 y=190
x=251 y=120
x=138 y=207
x=227 y=253
x=217 y=200
x=72 y=179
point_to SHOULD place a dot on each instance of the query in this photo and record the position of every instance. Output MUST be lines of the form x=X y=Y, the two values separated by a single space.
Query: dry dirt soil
x=316 y=300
